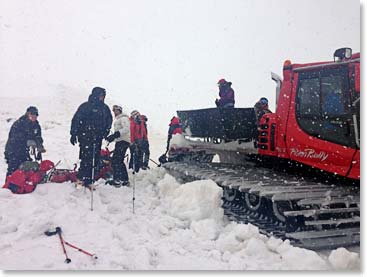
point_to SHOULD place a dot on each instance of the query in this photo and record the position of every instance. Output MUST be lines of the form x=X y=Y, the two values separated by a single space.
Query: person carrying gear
x=138 y=134
x=121 y=136
x=175 y=127
x=261 y=107
x=226 y=94
x=145 y=144
x=24 y=133
x=27 y=177
x=90 y=125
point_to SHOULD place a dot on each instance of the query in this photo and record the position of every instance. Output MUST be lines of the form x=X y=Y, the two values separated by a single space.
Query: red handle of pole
x=63 y=248
x=79 y=249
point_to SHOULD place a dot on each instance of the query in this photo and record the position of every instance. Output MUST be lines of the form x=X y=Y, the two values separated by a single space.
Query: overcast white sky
x=159 y=56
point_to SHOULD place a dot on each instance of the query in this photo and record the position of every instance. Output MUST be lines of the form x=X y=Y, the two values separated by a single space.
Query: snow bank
x=199 y=204
x=167 y=186
x=196 y=201
x=341 y=258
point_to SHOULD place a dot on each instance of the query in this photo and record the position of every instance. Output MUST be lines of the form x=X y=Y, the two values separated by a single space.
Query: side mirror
x=343 y=54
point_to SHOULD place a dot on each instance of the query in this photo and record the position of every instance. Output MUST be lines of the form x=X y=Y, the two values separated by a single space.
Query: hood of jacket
x=175 y=121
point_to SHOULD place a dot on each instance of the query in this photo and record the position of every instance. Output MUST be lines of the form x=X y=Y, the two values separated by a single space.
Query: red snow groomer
x=295 y=172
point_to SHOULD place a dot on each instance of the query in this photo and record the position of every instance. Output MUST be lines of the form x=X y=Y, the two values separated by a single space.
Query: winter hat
x=117 y=107
x=175 y=120
x=46 y=165
x=97 y=91
x=32 y=110
x=135 y=113
x=222 y=82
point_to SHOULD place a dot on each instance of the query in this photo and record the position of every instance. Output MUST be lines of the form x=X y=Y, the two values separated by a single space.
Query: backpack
x=29 y=166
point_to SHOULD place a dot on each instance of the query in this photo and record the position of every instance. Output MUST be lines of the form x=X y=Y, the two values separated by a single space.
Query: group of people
x=90 y=125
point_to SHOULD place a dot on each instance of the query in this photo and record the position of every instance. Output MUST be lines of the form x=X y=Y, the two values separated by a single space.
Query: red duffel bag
x=63 y=175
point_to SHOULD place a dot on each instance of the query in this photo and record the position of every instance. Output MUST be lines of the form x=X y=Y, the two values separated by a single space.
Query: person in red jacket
x=145 y=144
x=226 y=94
x=22 y=181
x=138 y=139
x=174 y=128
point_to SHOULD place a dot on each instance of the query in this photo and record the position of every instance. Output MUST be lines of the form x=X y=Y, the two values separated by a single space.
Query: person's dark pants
x=118 y=165
x=89 y=149
x=136 y=157
x=145 y=153
x=14 y=162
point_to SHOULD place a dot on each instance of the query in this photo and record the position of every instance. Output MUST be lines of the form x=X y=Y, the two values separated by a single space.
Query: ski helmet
x=264 y=101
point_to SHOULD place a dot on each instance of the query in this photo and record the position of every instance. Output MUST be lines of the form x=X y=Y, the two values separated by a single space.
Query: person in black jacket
x=90 y=125
x=261 y=107
x=24 y=133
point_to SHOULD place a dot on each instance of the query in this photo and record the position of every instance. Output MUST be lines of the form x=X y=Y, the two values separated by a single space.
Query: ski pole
x=33 y=152
x=81 y=250
x=48 y=176
x=133 y=191
x=133 y=156
x=153 y=161
x=58 y=231
x=93 y=168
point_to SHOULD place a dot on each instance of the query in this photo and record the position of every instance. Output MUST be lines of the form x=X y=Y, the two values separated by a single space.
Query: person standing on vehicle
x=24 y=133
x=90 y=125
x=121 y=136
x=226 y=94
x=261 y=107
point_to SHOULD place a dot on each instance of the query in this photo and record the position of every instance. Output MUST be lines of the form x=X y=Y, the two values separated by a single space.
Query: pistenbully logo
x=309 y=153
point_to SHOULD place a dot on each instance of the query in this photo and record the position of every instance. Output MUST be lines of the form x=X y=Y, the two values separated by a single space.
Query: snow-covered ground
x=175 y=226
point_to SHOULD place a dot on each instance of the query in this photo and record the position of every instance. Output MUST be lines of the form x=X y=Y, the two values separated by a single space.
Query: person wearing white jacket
x=121 y=136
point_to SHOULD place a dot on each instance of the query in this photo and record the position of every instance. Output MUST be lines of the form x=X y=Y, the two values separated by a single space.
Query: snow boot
x=117 y=183
x=126 y=184
x=79 y=184
x=91 y=186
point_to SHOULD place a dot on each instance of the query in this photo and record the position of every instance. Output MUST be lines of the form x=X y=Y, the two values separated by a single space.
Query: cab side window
x=323 y=106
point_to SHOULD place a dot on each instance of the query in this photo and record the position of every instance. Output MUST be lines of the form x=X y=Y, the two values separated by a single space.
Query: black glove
x=73 y=139
x=116 y=134
x=112 y=137
x=39 y=156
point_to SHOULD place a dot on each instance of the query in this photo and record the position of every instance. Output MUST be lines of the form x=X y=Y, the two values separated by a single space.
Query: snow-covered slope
x=175 y=227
